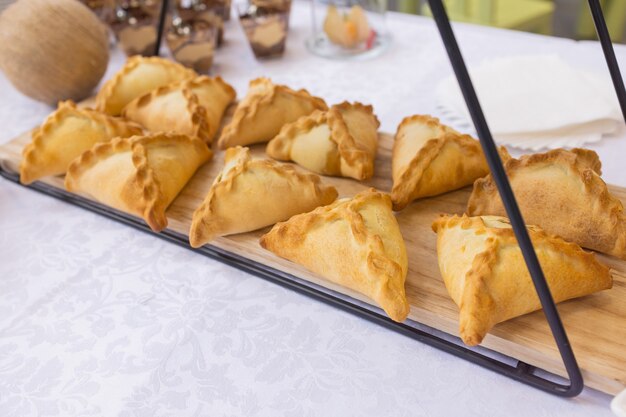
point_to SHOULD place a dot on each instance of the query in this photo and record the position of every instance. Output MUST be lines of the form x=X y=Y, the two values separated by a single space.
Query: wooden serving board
x=596 y=324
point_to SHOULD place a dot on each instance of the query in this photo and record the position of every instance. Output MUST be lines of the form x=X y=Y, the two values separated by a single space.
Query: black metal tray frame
x=503 y=365
x=486 y=358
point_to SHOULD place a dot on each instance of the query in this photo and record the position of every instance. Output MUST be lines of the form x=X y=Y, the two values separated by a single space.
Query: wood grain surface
x=596 y=324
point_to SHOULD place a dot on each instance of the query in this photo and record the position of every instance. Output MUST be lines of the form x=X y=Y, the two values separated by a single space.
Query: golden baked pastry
x=486 y=276
x=431 y=159
x=561 y=192
x=341 y=141
x=140 y=175
x=138 y=76
x=191 y=107
x=64 y=135
x=355 y=243
x=215 y=95
x=263 y=112
x=250 y=194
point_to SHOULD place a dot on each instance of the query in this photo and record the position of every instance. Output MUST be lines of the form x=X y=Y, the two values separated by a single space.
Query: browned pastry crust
x=346 y=147
x=263 y=112
x=140 y=175
x=191 y=107
x=215 y=95
x=250 y=194
x=138 y=76
x=560 y=191
x=486 y=276
x=433 y=160
x=64 y=135
x=152 y=112
x=355 y=243
x=280 y=146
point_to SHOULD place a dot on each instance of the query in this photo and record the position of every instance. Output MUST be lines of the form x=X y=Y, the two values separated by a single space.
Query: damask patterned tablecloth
x=97 y=319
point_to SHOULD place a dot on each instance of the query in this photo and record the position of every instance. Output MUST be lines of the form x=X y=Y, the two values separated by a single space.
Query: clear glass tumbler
x=266 y=24
x=134 y=23
x=194 y=32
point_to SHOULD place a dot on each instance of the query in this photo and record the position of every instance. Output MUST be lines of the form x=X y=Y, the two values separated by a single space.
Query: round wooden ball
x=53 y=50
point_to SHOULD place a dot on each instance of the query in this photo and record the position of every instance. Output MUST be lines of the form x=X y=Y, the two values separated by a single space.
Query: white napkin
x=618 y=405
x=535 y=102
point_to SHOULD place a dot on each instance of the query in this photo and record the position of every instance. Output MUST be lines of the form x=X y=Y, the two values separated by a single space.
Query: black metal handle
x=609 y=53
x=160 y=26
x=512 y=209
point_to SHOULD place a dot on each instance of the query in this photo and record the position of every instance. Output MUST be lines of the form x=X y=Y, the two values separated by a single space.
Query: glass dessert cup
x=134 y=23
x=273 y=5
x=344 y=29
x=266 y=23
x=212 y=12
x=193 y=39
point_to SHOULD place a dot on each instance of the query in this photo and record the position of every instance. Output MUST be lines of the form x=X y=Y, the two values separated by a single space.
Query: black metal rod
x=161 y=26
x=506 y=193
x=609 y=53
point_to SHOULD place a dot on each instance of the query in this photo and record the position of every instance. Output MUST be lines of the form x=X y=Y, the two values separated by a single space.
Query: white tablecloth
x=99 y=319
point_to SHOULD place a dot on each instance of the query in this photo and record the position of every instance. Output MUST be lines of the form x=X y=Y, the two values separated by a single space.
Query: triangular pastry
x=192 y=107
x=341 y=141
x=64 y=135
x=250 y=194
x=139 y=76
x=431 y=159
x=355 y=243
x=140 y=175
x=561 y=192
x=264 y=111
x=486 y=276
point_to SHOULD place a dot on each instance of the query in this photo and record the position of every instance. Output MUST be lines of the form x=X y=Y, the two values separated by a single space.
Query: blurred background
x=565 y=18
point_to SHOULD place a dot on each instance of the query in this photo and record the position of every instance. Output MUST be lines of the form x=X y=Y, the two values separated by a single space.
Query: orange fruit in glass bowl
x=346 y=29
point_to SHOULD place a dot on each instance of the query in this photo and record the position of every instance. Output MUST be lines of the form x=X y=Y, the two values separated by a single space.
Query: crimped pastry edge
x=576 y=157
x=484 y=262
x=150 y=206
x=64 y=108
x=477 y=223
x=226 y=182
x=202 y=79
x=411 y=176
x=333 y=212
x=584 y=161
x=108 y=89
x=226 y=88
x=347 y=145
x=590 y=161
x=248 y=107
x=197 y=113
x=280 y=146
x=384 y=266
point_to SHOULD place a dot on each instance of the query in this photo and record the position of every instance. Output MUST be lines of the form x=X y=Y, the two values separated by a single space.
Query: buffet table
x=99 y=319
